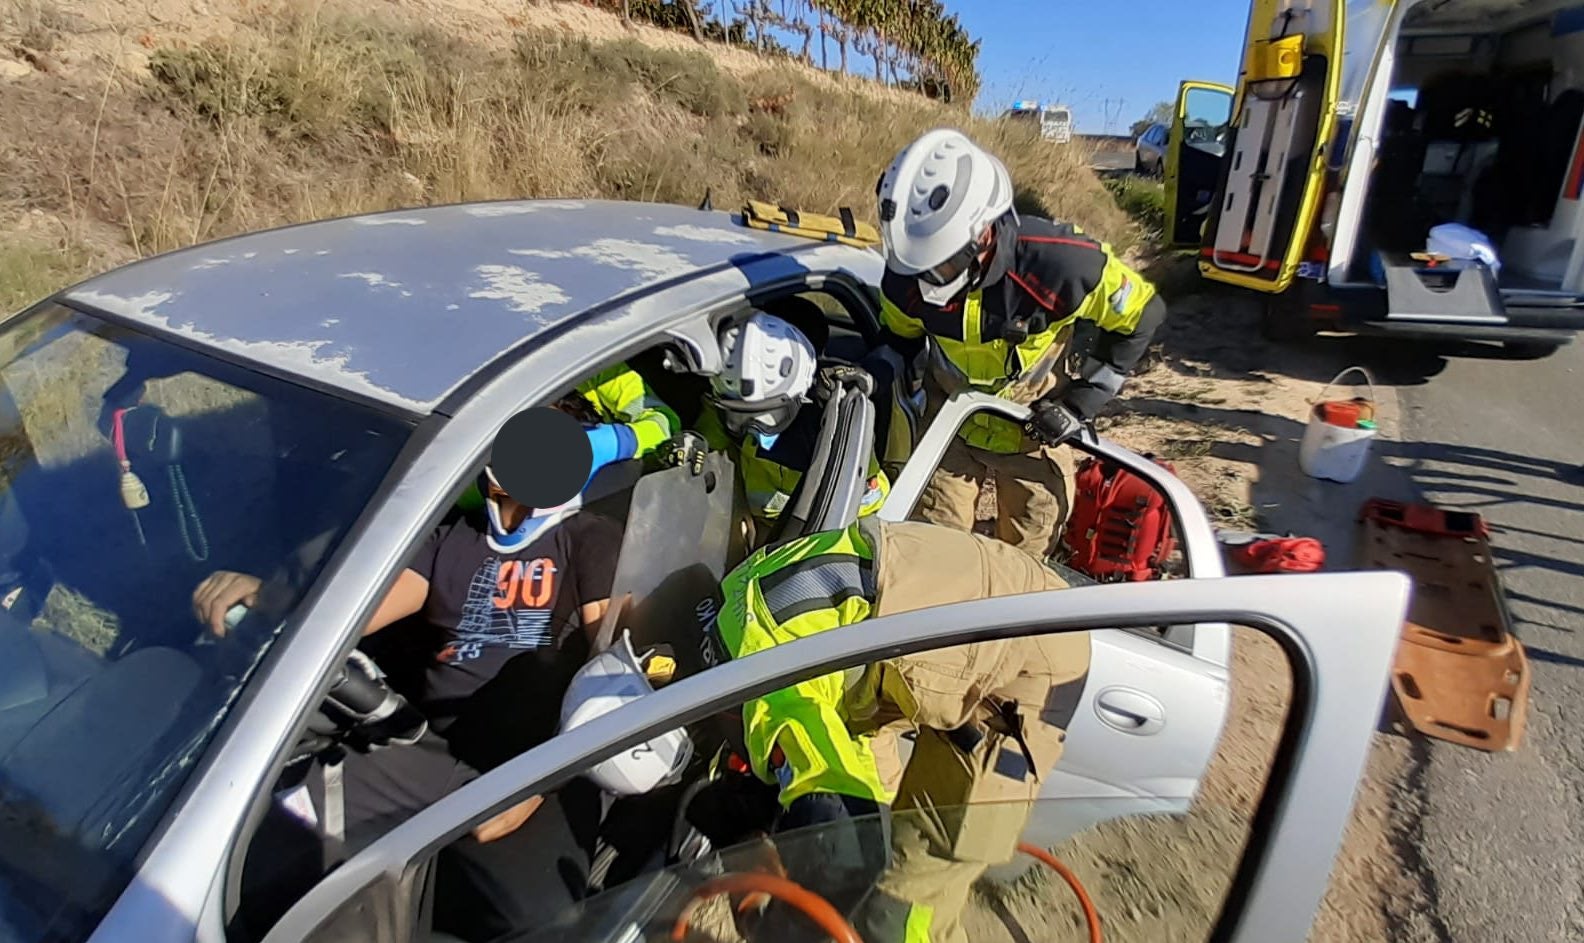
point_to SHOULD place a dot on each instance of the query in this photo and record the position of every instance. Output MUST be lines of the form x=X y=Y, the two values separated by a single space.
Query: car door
x=1149 y=717
x=1192 y=156
x=1337 y=633
x=1271 y=181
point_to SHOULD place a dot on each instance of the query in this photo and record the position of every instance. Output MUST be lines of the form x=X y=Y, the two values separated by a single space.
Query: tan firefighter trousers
x=965 y=793
x=1034 y=486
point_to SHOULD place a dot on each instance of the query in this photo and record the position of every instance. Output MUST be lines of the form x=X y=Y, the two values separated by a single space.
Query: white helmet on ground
x=936 y=201
x=611 y=679
x=768 y=367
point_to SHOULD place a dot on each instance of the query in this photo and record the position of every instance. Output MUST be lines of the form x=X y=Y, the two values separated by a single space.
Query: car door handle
x=1130 y=711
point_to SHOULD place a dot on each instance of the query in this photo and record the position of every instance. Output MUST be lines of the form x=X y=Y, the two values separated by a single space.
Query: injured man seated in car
x=512 y=595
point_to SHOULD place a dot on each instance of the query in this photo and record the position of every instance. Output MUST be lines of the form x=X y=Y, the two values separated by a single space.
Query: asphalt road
x=1498 y=839
x=1105 y=162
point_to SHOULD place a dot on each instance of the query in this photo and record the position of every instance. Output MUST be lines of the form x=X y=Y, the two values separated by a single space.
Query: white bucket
x=1335 y=453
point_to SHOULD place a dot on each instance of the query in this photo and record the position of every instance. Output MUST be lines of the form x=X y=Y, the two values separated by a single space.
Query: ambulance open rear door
x=1272 y=171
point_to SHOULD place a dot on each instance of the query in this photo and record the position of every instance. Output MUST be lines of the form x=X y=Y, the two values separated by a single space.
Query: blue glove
x=610 y=443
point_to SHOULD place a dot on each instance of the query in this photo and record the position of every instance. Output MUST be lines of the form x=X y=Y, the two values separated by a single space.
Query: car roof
x=404 y=306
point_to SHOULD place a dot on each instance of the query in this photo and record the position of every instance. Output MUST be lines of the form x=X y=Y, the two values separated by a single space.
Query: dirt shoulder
x=1227 y=408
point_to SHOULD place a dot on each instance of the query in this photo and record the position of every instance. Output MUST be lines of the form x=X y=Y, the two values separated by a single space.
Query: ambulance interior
x=1484 y=110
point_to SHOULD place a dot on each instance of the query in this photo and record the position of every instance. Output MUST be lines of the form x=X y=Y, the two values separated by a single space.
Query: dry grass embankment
x=311 y=110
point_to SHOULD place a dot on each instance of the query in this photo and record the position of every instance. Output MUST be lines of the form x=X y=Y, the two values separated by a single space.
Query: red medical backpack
x=1120 y=528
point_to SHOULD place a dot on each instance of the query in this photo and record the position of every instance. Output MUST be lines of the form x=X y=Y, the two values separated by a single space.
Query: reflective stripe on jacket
x=1016 y=372
x=803 y=587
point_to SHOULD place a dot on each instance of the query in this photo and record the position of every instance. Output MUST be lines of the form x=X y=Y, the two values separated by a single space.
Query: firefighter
x=630 y=421
x=756 y=406
x=997 y=296
x=829 y=744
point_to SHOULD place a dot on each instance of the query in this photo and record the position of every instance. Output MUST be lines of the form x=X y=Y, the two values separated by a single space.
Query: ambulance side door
x=1195 y=150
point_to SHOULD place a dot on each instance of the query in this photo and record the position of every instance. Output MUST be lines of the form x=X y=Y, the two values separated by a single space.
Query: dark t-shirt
x=511 y=632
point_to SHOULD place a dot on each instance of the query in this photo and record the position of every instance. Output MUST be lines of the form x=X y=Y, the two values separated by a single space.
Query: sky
x=1105 y=59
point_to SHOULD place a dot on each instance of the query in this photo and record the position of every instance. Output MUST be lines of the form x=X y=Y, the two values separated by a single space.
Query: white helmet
x=611 y=679
x=936 y=201
x=768 y=367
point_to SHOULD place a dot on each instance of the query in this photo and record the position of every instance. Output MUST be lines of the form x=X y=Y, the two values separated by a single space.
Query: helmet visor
x=768 y=416
x=953 y=268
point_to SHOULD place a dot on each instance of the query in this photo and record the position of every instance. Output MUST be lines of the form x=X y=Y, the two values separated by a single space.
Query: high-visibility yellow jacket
x=803 y=587
x=620 y=396
x=1003 y=337
x=770 y=477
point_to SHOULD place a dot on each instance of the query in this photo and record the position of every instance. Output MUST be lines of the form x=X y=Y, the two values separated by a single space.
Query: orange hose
x=1090 y=913
x=813 y=906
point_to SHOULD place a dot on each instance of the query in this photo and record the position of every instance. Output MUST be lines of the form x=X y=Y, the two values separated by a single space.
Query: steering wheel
x=800 y=898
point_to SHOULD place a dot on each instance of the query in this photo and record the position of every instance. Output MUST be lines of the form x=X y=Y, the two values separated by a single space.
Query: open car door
x=1272 y=172
x=1195 y=147
x=1331 y=635
x=1144 y=728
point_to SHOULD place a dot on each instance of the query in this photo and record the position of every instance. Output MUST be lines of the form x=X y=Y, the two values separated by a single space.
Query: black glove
x=1052 y=422
x=686 y=449
x=1085 y=399
x=834 y=376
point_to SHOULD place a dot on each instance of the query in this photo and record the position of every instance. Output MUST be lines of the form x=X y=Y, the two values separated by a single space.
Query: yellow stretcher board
x=1255 y=229
x=843 y=228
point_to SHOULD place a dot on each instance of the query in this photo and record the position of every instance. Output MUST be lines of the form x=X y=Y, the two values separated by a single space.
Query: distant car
x=1150 y=150
x=309 y=401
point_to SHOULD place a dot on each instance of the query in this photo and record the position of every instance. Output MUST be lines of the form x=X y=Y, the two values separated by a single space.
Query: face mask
x=942 y=295
x=966 y=280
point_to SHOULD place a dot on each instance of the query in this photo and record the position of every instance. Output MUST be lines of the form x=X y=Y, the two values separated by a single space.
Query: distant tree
x=1162 y=113
x=915 y=44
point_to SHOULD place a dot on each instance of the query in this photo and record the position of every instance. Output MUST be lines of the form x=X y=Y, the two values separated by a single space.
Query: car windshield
x=130 y=470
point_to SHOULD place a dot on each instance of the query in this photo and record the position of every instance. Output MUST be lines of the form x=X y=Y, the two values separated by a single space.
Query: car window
x=1191 y=550
x=130 y=472
x=958 y=841
x=846 y=339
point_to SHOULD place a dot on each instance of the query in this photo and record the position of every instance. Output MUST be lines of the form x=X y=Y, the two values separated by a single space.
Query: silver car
x=1149 y=151
x=308 y=402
